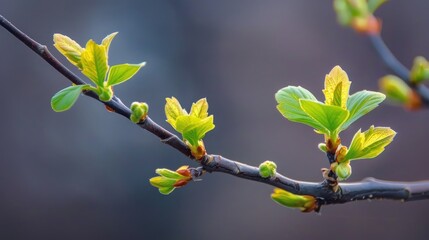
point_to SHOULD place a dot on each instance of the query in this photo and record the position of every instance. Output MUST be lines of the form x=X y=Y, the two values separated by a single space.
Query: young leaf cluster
x=193 y=126
x=336 y=114
x=358 y=14
x=92 y=61
x=169 y=180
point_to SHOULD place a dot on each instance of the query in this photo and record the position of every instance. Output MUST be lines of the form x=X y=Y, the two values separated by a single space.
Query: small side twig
x=397 y=67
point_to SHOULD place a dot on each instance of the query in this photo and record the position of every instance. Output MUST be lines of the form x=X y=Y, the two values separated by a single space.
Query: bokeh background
x=83 y=174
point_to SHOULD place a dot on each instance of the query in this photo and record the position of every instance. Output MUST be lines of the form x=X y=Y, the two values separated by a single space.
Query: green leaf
x=305 y=203
x=122 y=72
x=107 y=41
x=329 y=117
x=169 y=173
x=164 y=185
x=64 y=99
x=420 y=70
x=173 y=110
x=370 y=143
x=337 y=87
x=395 y=89
x=194 y=129
x=166 y=190
x=69 y=48
x=375 y=4
x=200 y=108
x=288 y=105
x=362 y=103
x=344 y=14
x=94 y=62
x=348 y=10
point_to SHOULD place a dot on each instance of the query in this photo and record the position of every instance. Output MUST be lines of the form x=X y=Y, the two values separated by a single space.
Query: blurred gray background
x=83 y=174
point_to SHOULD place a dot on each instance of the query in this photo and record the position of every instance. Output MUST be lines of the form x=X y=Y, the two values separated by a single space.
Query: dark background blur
x=83 y=174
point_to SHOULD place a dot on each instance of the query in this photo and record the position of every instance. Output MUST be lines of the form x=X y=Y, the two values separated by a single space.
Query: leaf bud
x=106 y=94
x=305 y=203
x=343 y=170
x=139 y=111
x=267 y=169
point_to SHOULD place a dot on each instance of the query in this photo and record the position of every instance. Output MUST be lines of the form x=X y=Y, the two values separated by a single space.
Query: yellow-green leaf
x=375 y=4
x=337 y=87
x=288 y=105
x=362 y=103
x=329 y=117
x=194 y=129
x=69 y=48
x=167 y=173
x=173 y=110
x=94 y=62
x=200 y=108
x=65 y=99
x=108 y=40
x=395 y=89
x=369 y=144
x=304 y=203
x=122 y=72
x=420 y=70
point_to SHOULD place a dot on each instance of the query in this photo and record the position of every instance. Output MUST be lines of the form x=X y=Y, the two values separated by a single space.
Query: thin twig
x=397 y=67
x=366 y=189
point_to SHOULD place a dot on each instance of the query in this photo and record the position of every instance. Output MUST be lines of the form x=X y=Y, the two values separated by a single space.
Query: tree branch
x=397 y=67
x=366 y=189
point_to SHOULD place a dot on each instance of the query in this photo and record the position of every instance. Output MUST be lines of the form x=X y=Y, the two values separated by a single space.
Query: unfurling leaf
x=200 y=108
x=169 y=180
x=69 y=48
x=305 y=203
x=94 y=62
x=138 y=111
x=173 y=110
x=64 y=99
x=267 y=169
x=108 y=40
x=420 y=70
x=343 y=170
x=329 y=117
x=193 y=129
x=369 y=144
x=395 y=89
x=322 y=147
x=337 y=86
x=289 y=106
x=122 y=72
x=362 y=103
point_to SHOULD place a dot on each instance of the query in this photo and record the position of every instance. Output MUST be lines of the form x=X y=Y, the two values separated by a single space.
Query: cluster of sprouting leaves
x=169 y=180
x=336 y=114
x=358 y=14
x=92 y=61
x=193 y=126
